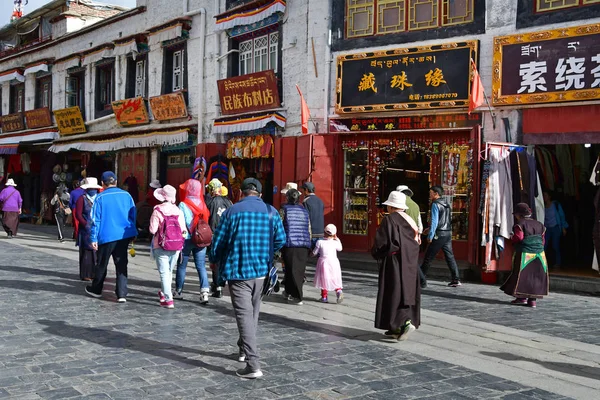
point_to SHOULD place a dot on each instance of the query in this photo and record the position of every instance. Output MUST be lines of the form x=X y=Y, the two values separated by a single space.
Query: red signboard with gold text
x=12 y=122
x=130 y=111
x=249 y=93
x=168 y=106
x=38 y=118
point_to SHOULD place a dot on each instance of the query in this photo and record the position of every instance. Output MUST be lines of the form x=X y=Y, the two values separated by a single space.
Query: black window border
x=81 y=73
x=39 y=79
x=167 y=73
x=527 y=17
x=12 y=106
x=340 y=43
x=98 y=113
x=130 y=75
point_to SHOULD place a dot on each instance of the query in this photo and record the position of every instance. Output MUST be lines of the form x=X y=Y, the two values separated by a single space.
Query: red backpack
x=202 y=234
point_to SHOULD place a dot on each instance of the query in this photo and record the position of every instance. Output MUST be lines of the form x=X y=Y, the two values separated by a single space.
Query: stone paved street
x=57 y=343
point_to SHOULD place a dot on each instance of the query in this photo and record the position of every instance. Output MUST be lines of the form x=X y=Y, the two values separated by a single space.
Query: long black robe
x=397 y=253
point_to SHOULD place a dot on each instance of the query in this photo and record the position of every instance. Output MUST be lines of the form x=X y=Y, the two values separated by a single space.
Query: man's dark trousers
x=443 y=243
x=118 y=251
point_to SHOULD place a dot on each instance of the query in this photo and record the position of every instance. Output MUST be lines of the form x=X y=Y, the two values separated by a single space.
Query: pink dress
x=328 y=275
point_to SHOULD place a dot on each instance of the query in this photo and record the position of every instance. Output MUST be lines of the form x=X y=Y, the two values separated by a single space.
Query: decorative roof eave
x=186 y=22
x=237 y=17
x=40 y=65
x=224 y=125
x=16 y=73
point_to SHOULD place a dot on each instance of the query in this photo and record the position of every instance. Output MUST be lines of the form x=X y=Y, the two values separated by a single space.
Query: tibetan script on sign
x=426 y=77
x=38 y=118
x=168 y=106
x=549 y=66
x=69 y=121
x=249 y=93
x=12 y=122
x=130 y=111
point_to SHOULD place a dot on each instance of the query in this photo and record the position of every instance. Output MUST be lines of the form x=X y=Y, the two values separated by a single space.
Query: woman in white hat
x=167 y=224
x=10 y=205
x=83 y=212
x=396 y=249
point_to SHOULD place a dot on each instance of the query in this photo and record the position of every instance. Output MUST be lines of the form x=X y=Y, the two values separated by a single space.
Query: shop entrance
x=564 y=171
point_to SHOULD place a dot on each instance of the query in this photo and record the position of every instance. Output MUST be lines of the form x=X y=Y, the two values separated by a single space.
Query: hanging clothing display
x=524 y=184
x=259 y=146
x=26 y=163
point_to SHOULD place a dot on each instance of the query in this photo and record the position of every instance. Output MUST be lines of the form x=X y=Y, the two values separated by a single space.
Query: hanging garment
x=540 y=207
x=563 y=157
x=26 y=163
x=532 y=189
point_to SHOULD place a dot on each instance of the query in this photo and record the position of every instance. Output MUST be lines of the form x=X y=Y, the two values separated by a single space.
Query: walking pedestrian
x=316 y=212
x=167 y=224
x=413 y=211
x=83 y=215
x=60 y=201
x=150 y=199
x=556 y=227
x=75 y=194
x=528 y=280
x=296 y=223
x=194 y=209
x=242 y=247
x=216 y=207
x=328 y=275
x=113 y=228
x=396 y=250
x=10 y=204
x=439 y=237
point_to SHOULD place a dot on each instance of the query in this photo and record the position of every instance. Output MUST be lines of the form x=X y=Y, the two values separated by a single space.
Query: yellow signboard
x=69 y=121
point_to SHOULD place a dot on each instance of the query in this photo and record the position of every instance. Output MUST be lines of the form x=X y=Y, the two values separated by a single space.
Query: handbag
x=271 y=279
x=67 y=210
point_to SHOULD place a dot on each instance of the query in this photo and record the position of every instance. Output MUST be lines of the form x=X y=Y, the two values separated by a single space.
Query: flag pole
x=485 y=97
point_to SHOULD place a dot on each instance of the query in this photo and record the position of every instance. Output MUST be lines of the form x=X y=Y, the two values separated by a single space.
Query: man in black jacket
x=439 y=237
x=316 y=212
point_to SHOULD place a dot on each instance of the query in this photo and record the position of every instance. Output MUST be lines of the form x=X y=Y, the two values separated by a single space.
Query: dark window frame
x=40 y=82
x=341 y=43
x=79 y=93
x=167 y=74
x=130 y=87
x=105 y=91
x=527 y=16
x=14 y=98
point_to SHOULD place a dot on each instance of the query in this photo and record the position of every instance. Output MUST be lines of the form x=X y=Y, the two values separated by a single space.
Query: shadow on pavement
x=465 y=298
x=119 y=340
x=565 y=368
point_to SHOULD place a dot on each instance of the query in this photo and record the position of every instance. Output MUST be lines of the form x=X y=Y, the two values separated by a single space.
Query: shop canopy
x=87 y=142
x=249 y=13
x=10 y=144
x=223 y=125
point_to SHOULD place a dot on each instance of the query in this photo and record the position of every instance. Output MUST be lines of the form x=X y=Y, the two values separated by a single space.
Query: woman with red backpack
x=196 y=219
x=167 y=224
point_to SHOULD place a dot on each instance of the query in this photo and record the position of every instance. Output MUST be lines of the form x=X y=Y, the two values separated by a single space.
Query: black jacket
x=444 y=227
x=216 y=206
x=316 y=214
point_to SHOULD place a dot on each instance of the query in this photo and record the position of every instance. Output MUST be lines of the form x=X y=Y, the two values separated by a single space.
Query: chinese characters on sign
x=168 y=106
x=12 y=122
x=130 y=111
x=38 y=118
x=249 y=93
x=549 y=66
x=438 y=121
x=432 y=77
x=69 y=121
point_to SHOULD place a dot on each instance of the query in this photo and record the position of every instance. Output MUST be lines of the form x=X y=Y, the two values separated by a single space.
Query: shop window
x=137 y=77
x=75 y=91
x=175 y=71
x=553 y=5
x=356 y=193
x=43 y=92
x=105 y=75
x=259 y=54
x=379 y=17
x=17 y=98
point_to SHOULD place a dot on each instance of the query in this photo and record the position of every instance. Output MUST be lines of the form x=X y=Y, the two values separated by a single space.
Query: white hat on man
x=405 y=189
x=396 y=200
x=155 y=184
x=90 y=183
x=289 y=186
x=11 y=182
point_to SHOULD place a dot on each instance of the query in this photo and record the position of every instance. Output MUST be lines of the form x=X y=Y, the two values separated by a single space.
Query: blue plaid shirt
x=240 y=245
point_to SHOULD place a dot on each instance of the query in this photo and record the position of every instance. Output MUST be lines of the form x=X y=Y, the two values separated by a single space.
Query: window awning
x=248 y=124
x=67 y=63
x=36 y=68
x=9 y=148
x=122 y=49
x=12 y=74
x=126 y=141
x=35 y=136
x=169 y=33
x=94 y=57
x=246 y=16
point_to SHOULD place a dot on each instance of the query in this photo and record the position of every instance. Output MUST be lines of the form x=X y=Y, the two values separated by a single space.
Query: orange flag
x=304 y=112
x=477 y=94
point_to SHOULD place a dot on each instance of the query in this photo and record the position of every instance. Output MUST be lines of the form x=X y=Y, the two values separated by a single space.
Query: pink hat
x=166 y=193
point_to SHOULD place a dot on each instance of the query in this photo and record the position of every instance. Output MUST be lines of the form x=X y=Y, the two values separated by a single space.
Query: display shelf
x=356 y=199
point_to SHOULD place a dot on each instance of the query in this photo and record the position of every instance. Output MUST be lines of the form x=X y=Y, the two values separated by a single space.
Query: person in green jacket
x=413 y=208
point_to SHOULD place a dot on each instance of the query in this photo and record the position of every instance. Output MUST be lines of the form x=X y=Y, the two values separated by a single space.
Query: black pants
x=118 y=251
x=60 y=223
x=443 y=243
x=294 y=259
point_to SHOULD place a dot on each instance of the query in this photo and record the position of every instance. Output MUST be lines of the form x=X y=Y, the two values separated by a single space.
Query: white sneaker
x=121 y=300
x=204 y=298
x=248 y=373
x=242 y=357
x=178 y=295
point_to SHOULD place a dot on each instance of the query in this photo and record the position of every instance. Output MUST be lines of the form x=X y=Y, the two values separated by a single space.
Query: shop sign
x=168 y=106
x=38 y=118
x=407 y=123
x=69 y=121
x=412 y=78
x=249 y=93
x=12 y=122
x=131 y=111
x=549 y=66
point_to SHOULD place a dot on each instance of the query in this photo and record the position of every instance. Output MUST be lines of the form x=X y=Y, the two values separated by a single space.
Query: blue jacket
x=560 y=216
x=240 y=244
x=113 y=216
x=297 y=227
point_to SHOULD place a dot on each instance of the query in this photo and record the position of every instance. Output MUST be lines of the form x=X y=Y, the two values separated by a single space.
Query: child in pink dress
x=328 y=275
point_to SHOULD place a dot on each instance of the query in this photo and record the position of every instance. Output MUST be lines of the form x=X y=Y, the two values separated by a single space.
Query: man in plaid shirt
x=240 y=247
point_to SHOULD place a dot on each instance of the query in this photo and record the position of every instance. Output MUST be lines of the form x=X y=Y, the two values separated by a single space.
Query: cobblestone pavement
x=57 y=343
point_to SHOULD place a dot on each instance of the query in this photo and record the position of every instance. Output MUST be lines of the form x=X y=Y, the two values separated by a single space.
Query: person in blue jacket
x=556 y=226
x=112 y=229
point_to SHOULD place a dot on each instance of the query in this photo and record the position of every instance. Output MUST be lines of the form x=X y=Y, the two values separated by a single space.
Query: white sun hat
x=396 y=200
